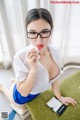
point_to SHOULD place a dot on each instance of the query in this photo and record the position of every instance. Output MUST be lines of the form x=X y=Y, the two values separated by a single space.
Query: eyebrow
x=41 y=30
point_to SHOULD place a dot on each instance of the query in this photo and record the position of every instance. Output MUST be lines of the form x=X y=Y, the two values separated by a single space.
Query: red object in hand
x=39 y=46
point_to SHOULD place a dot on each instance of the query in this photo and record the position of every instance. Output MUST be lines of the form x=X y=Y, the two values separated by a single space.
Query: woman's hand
x=31 y=59
x=68 y=100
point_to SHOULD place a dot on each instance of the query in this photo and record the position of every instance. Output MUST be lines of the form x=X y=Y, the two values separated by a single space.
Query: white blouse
x=22 y=69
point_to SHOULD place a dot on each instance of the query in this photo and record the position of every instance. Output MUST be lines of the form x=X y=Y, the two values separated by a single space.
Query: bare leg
x=6 y=91
x=20 y=109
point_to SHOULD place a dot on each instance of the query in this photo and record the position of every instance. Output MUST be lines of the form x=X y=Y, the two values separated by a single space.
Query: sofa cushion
x=69 y=87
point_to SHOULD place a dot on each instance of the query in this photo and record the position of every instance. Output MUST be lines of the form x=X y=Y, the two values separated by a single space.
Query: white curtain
x=66 y=33
x=12 y=30
x=66 y=37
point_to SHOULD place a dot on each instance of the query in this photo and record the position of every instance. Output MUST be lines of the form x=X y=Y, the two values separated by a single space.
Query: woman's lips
x=39 y=46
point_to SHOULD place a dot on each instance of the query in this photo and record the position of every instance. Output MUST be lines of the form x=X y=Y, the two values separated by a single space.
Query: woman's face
x=39 y=32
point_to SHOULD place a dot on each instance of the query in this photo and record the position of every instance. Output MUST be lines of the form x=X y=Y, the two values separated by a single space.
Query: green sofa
x=69 y=87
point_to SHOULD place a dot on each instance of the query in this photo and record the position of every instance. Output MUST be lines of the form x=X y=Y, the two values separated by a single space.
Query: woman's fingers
x=32 y=53
x=66 y=103
x=34 y=58
x=72 y=101
x=75 y=102
x=68 y=100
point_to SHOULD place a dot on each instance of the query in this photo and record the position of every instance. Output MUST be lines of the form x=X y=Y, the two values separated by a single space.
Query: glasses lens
x=32 y=35
x=45 y=34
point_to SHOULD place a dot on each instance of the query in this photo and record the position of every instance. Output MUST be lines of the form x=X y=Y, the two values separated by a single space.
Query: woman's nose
x=39 y=39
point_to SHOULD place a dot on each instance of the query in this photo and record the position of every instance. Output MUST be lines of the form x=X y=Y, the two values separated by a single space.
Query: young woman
x=33 y=75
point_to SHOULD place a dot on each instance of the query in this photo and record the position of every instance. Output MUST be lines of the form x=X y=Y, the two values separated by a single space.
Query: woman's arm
x=26 y=86
x=56 y=89
x=64 y=100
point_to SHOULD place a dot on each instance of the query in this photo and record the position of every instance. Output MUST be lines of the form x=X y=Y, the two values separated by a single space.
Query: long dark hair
x=35 y=14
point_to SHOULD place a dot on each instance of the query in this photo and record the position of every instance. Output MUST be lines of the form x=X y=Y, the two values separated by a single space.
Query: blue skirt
x=18 y=98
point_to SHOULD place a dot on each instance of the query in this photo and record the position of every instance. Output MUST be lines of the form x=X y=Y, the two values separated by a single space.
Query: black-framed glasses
x=43 y=34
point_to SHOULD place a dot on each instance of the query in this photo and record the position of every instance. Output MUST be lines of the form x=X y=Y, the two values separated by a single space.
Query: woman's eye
x=32 y=33
x=45 y=32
